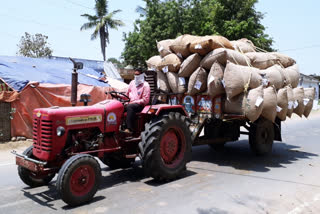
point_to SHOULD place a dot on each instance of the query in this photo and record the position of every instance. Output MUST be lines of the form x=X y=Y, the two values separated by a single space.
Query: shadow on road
x=239 y=156
x=110 y=178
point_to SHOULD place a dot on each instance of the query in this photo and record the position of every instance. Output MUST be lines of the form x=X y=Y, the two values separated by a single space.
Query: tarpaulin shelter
x=37 y=83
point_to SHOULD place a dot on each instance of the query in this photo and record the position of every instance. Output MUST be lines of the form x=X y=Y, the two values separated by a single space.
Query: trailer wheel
x=166 y=146
x=116 y=161
x=261 y=136
x=30 y=178
x=79 y=179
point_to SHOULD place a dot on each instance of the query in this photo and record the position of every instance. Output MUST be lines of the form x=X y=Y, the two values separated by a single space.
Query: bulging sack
x=170 y=63
x=250 y=106
x=292 y=75
x=223 y=55
x=215 y=86
x=282 y=102
x=262 y=60
x=180 y=45
x=189 y=65
x=243 y=45
x=309 y=94
x=177 y=84
x=290 y=100
x=205 y=44
x=153 y=62
x=284 y=60
x=164 y=47
x=274 y=76
x=162 y=82
x=197 y=82
x=236 y=77
x=269 y=110
x=298 y=106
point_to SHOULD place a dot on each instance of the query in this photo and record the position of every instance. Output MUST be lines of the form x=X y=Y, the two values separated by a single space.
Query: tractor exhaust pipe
x=74 y=81
x=74 y=88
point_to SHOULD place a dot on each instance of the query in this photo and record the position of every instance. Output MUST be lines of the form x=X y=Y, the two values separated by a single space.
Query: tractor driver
x=139 y=94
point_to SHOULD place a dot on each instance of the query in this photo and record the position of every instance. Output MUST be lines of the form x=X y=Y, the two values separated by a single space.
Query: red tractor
x=67 y=140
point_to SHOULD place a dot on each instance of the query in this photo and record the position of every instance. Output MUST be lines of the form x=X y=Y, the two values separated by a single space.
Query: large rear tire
x=79 y=179
x=30 y=178
x=261 y=136
x=166 y=146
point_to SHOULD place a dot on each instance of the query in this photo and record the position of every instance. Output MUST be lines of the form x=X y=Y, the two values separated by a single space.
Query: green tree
x=35 y=46
x=170 y=18
x=102 y=22
x=116 y=62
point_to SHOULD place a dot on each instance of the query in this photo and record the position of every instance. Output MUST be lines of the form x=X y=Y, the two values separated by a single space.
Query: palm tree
x=102 y=22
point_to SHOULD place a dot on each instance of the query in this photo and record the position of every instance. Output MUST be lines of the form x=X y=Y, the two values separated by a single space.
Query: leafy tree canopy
x=35 y=46
x=168 y=19
x=116 y=62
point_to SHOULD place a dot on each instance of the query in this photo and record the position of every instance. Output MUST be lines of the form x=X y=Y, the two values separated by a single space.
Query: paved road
x=233 y=181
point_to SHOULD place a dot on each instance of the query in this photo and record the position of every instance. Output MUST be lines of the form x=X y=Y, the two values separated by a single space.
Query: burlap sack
x=282 y=102
x=309 y=94
x=236 y=77
x=290 y=100
x=164 y=47
x=223 y=55
x=162 y=82
x=180 y=45
x=250 y=106
x=243 y=45
x=170 y=63
x=298 y=94
x=292 y=75
x=177 y=84
x=197 y=82
x=215 y=86
x=205 y=44
x=189 y=65
x=274 y=76
x=284 y=60
x=153 y=62
x=262 y=60
x=269 y=109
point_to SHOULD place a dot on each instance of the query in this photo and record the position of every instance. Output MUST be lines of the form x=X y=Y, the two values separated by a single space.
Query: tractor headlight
x=60 y=131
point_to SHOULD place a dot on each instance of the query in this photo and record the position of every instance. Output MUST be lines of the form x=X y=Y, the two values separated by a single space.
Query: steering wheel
x=119 y=96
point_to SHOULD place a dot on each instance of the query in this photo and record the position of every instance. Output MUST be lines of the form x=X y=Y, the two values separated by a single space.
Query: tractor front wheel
x=30 y=178
x=79 y=179
x=166 y=146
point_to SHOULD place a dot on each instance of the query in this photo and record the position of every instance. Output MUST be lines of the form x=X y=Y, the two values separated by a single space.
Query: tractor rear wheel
x=79 y=179
x=30 y=178
x=166 y=146
x=261 y=136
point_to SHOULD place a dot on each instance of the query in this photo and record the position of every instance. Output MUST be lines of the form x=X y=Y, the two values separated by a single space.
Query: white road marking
x=14 y=203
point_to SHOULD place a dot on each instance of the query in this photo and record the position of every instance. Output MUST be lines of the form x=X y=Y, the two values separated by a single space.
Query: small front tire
x=79 y=179
x=30 y=178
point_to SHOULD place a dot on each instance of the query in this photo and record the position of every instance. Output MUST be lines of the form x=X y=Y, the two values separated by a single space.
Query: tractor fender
x=160 y=108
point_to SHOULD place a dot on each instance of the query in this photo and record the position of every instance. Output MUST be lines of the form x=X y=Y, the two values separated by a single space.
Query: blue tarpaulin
x=18 y=71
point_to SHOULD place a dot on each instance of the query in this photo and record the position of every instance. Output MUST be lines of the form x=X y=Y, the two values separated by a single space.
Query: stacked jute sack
x=252 y=81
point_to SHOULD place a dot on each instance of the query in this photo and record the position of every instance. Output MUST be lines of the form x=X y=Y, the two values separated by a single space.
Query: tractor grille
x=42 y=135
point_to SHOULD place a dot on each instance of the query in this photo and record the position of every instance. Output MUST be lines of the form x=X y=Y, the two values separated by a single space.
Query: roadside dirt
x=11 y=145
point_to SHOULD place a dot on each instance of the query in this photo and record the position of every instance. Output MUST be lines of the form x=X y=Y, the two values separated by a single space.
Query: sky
x=293 y=24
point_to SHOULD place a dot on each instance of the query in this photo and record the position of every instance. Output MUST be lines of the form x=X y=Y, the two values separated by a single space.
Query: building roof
x=17 y=71
x=309 y=78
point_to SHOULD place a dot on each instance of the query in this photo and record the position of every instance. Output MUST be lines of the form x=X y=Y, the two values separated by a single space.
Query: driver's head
x=138 y=71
